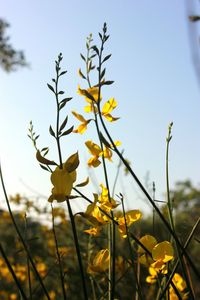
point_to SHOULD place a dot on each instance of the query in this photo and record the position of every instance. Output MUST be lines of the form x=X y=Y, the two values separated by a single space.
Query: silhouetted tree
x=10 y=59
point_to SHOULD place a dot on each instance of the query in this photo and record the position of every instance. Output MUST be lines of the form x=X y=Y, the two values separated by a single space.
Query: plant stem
x=21 y=238
x=58 y=256
x=170 y=208
x=12 y=272
x=77 y=249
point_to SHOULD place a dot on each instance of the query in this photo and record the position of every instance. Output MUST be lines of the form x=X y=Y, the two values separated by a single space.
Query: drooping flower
x=108 y=108
x=100 y=263
x=96 y=152
x=163 y=252
x=93 y=91
x=83 y=126
x=180 y=284
x=106 y=203
x=63 y=183
x=94 y=231
x=148 y=241
x=130 y=217
x=63 y=179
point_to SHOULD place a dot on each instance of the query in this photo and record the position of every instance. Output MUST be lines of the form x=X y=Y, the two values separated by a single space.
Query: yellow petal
x=94 y=162
x=81 y=128
x=163 y=251
x=100 y=262
x=179 y=282
x=110 y=118
x=79 y=117
x=148 y=241
x=94 y=149
x=133 y=216
x=63 y=183
x=93 y=91
x=109 y=106
x=88 y=108
x=107 y=152
x=94 y=231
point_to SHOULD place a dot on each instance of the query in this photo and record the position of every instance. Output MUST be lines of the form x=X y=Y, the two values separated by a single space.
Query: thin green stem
x=138 y=287
x=170 y=209
x=77 y=249
x=18 y=284
x=61 y=166
x=169 y=202
x=58 y=112
x=22 y=239
x=58 y=256
x=27 y=261
x=111 y=226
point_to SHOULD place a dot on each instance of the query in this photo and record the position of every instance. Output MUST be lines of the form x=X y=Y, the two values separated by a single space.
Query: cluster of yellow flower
x=156 y=259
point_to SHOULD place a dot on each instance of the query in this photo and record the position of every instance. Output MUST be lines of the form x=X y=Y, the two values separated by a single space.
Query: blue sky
x=155 y=83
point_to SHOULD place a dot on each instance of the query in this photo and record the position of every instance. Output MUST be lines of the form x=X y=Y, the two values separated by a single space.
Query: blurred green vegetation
x=40 y=239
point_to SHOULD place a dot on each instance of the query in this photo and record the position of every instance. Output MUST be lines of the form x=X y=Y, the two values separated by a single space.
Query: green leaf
x=72 y=163
x=100 y=35
x=62 y=73
x=83 y=57
x=81 y=74
x=84 y=183
x=63 y=102
x=61 y=93
x=44 y=168
x=45 y=151
x=92 y=56
x=44 y=160
x=95 y=50
x=68 y=131
x=109 y=82
x=51 y=131
x=106 y=58
x=102 y=73
x=51 y=88
x=63 y=124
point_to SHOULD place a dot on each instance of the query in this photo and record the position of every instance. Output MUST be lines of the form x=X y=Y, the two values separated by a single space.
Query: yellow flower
x=148 y=241
x=42 y=269
x=63 y=179
x=152 y=277
x=179 y=282
x=100 y=262
x=108 y=108
x=163 y=252
x=63 y=183
x=130 y=217
x=93 y=91
x=94 y=231
x=107 y=153
x=105 y=203
x=83 y=126
x=96 y=152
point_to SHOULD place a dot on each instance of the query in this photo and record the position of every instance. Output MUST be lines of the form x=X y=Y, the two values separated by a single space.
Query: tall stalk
x=170 y=213
x=57 y=136
x=58 y=256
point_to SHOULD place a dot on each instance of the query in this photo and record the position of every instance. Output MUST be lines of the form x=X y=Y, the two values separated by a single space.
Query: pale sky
x=155 y=83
